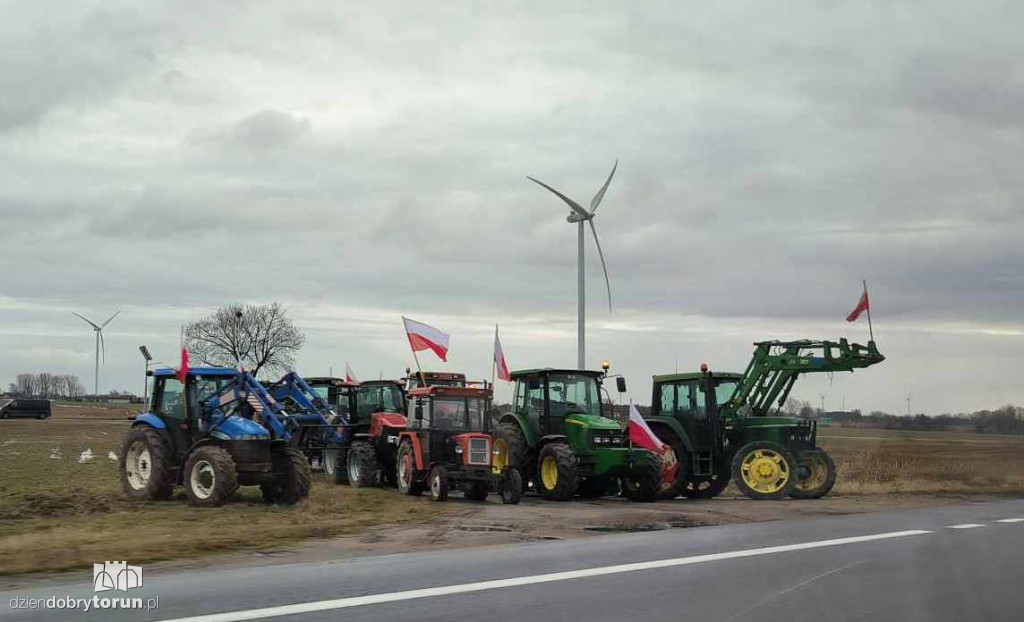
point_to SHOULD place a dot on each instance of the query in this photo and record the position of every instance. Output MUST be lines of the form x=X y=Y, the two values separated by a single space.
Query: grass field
x=57 y=512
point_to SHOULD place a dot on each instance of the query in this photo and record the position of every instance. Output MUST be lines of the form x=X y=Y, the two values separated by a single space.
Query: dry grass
x=874 y=461
x=57 y=513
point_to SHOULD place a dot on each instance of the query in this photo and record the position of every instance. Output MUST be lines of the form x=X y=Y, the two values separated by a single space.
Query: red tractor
x=378 y=420
x=447 y=446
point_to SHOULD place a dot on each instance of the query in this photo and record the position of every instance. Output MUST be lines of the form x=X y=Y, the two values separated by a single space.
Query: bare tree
x=261 y=335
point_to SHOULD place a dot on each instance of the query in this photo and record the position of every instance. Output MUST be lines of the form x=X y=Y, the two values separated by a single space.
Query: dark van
x=24 y=407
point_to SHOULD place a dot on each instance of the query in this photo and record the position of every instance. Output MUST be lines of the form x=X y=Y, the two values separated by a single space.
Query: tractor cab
x=448 y=446
x=378 y=419
x=433 y=379
x=337 y=392
x=562 y=435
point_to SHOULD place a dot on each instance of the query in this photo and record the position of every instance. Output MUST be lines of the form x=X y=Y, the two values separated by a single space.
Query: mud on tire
x=210 y=477
x=291 y=478
x=559 y=480
x=157 y=481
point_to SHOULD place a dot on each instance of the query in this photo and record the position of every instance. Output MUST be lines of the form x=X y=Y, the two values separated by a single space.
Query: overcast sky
x=359 y=161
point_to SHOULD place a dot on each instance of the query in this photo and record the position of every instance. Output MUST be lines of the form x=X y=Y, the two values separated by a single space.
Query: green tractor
x=724 y=426
x=561 y=435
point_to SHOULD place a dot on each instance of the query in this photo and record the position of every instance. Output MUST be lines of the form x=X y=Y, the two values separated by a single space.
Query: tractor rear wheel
x=511 y=486
x=820 y=475
x=511 y=450
x=644 y=482
x=672 y=488
x=708 y=488
x=476 y=491
x=557 y=473
x=330 y=461
x=440 y=485
x=764 y=470
x=405 y=471
x=210 y=476
x=291 y=478
x=363 y=468
x=145 y=465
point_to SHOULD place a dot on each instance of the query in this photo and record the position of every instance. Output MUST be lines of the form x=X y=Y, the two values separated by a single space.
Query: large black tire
x=363 y=467
x=557 y=473
x=594 y=487
x=330 y=463
x=291 y=478
x=644 y=482
x=511 y=486
x=821 y=475
x=210 y=476
x=519 y=453
x=157 y=480
x=708 y=488
x=440 y=485
x=671 y=490
x=406 y=477
x=778 y=476
x=341 y=468
x=476 y=491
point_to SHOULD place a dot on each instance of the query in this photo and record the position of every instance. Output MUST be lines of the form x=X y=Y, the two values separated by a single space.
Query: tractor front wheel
x=644 y=483
x=816 y=475
x=670 y=488
x=707 y=488
x=405 y=471
x=440 y=485
x=363 y=468
x=210 y=476
x=291 y=478
x=511 y=450
x=511 y=486
x=764 y=470
x=557 y=473
x=145 y=465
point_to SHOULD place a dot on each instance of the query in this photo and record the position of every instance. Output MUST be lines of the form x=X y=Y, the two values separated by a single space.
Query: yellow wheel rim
x=765 y=471
x=817 y=474
x=500 y=454
x=549 y=472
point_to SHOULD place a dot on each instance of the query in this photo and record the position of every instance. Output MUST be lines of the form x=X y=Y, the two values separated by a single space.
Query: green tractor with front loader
x=562 y=436
x=729 y=426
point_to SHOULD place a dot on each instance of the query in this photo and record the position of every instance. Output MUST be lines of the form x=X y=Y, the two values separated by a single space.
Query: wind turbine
x=100 y=345
x=580 y=216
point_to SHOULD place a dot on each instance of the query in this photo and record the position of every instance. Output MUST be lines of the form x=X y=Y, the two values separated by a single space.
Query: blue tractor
x=324 y=431
x=218 y=430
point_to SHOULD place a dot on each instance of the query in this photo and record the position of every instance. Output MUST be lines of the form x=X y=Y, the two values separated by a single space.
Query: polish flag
x=862 y=306
x=642 y=436
x=499 y=358
x=424 y=337
x=350 y=376
x=183 y=368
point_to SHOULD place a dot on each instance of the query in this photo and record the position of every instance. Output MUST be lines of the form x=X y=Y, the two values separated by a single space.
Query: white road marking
x=964 y=526
x=1010 y=520
x=390 y=597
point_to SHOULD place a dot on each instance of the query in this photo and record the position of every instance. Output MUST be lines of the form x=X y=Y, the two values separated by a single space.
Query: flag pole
x=871 y=331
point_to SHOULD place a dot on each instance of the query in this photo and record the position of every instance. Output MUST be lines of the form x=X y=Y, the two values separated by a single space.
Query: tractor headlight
x=458 y=449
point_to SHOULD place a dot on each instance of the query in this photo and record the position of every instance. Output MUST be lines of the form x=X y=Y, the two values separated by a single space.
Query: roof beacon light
x=605 y=365
x=704 y=367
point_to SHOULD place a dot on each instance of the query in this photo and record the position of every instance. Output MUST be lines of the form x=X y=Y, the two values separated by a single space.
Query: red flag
x=499 y=359
x=183 y=368
x=640 y=434
x=424 y=337
x=350 y=376
x=862 y=306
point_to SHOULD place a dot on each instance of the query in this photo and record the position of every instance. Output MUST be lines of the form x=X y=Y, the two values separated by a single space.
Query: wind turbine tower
x=100 y=345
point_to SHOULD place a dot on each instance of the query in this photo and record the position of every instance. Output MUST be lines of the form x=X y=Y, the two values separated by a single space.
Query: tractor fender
x=550 y=438
x=151 y=420
x=379 y=421
x=657 y=424
x=417 y=451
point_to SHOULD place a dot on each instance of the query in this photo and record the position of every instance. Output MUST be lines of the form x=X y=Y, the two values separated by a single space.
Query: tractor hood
x=239 y=428
x=592 y=422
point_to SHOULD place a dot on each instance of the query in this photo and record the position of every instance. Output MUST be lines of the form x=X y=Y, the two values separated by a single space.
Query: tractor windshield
x=459 y=413
x=379 y=398
x=573 y=393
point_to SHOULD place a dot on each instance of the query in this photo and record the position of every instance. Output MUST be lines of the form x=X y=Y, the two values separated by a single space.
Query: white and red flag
x=499 y=359
x=641 y=435
x=864 y=304
x=350 y=376
x=183 y=368
x=425 y=337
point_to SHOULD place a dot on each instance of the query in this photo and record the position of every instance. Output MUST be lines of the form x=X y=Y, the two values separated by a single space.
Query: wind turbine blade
x=576 y=207
x=88 y=321
x=111 y=319
x=600 y=193
x=600 y=254
x=103 y=347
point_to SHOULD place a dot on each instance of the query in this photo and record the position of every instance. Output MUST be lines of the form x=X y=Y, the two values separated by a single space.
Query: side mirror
x=620 y=384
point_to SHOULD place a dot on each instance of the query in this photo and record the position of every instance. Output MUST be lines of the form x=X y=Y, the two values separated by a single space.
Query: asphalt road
x=961 y=562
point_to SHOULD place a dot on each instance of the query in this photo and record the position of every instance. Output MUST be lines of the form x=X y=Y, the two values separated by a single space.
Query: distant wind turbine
x=100 y=345
x=578 y=214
